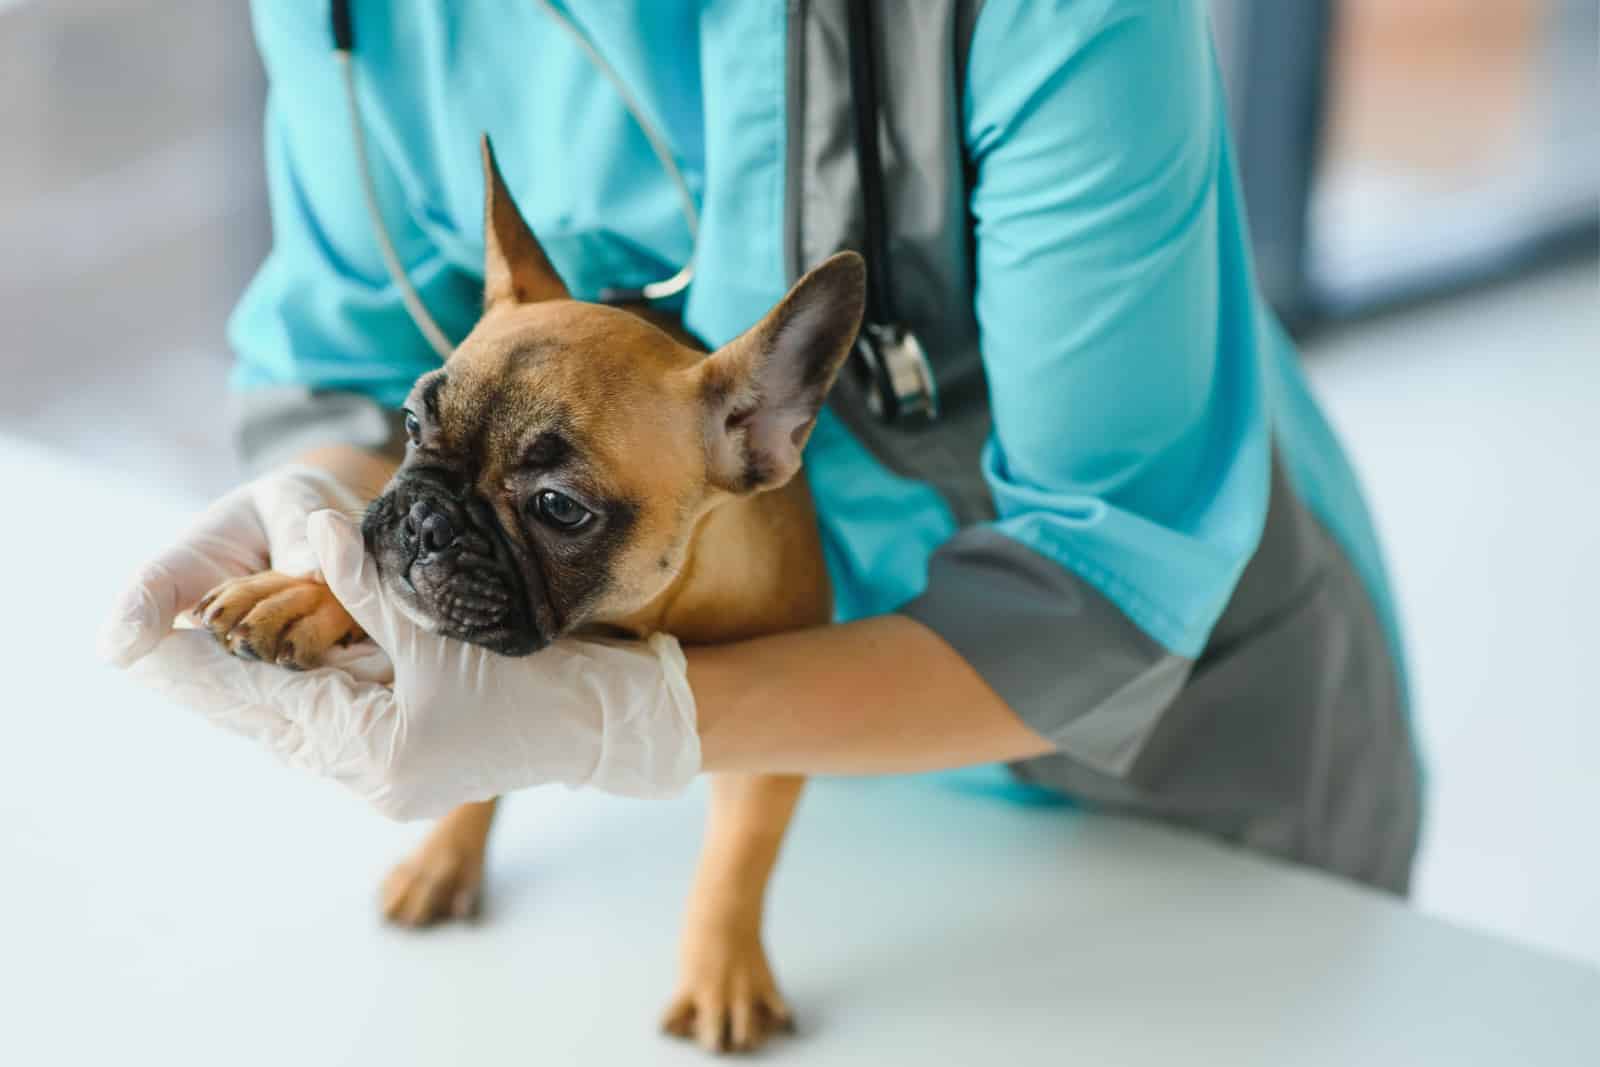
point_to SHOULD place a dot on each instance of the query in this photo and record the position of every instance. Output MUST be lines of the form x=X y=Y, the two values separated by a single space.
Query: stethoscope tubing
x=892 y=362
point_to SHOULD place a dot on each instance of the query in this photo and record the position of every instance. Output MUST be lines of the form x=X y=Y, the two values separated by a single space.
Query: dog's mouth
x=454 y=570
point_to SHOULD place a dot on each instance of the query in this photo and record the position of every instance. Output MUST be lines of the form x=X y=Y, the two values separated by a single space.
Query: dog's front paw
x=726 y=998
x=269 y=616
x=441 y=880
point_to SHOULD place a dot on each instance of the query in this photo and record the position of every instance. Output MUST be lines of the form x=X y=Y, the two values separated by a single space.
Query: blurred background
x=1423 y=180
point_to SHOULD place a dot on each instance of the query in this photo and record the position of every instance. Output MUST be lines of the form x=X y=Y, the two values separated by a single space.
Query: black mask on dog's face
x=558 y=465
x=456 y=571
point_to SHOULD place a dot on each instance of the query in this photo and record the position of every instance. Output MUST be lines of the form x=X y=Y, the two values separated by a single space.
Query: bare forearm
x=879 y=696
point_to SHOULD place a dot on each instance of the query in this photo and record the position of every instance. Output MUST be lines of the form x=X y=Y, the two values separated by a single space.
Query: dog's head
x=560 y=461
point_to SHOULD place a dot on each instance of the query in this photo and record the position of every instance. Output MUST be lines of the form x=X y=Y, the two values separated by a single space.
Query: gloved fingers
x=364 y=661
x=353 y=577
x=192 y=668
x=224 y=543
x=286 y=501
x=257 y=526
x=325 y=720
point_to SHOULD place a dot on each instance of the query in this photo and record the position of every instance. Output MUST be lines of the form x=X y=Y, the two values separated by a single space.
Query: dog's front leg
x=443 y=878
x=726 y=997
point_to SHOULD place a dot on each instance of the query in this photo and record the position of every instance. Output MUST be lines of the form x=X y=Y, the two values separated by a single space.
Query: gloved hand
x=460 y=723
x=258 y=526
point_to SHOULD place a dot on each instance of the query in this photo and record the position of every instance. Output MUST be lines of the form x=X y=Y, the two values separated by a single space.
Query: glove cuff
x=650 y=743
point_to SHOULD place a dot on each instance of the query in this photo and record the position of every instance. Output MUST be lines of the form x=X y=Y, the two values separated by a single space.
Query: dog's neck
x=753 y=566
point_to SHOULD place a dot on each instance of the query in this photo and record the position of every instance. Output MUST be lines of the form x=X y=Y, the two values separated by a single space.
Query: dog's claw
x=276 y=618
x=727 y=1000
x=439 y=882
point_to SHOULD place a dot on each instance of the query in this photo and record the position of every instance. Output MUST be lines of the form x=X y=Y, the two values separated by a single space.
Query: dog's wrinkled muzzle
x=426 y=532
x=442 y=550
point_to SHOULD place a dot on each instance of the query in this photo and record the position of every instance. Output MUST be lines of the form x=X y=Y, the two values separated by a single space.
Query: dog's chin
x=506 y=640
x=500 y=640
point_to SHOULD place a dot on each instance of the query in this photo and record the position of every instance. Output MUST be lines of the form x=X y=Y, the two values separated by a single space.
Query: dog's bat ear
x=515 y=268
x=763 y=390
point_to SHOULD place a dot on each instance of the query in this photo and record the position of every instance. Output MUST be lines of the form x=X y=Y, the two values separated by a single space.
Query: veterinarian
x=1080 y=511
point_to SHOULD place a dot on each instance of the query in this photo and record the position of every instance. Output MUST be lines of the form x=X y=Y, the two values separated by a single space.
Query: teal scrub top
x=1139 y=385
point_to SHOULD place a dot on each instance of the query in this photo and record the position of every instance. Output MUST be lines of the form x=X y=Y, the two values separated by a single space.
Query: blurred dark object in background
x=1395 y=149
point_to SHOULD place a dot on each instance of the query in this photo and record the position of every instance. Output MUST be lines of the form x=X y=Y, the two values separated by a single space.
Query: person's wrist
x=719 y=678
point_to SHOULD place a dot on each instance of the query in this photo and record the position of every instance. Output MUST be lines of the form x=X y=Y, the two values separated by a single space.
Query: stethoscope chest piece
x=894 y=372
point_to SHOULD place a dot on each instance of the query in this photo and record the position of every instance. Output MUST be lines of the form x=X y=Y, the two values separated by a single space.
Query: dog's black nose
x=437 y=533
x=426 y=528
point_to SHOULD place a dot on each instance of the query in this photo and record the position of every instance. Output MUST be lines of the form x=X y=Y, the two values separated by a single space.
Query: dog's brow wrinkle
x=430 y=395
x=545 y=450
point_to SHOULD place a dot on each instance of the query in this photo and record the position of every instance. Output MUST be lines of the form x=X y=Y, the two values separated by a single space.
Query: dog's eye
x=413 y=428
x=561 y=511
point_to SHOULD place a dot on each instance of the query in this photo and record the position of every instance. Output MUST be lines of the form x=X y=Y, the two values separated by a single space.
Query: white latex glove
x=460 y=723
x=259 y=526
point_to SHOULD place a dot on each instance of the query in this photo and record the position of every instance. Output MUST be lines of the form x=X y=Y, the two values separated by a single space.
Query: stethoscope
x=889 y=362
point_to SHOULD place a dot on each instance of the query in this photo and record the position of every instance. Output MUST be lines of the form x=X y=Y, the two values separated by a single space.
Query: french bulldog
x=579 y=468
